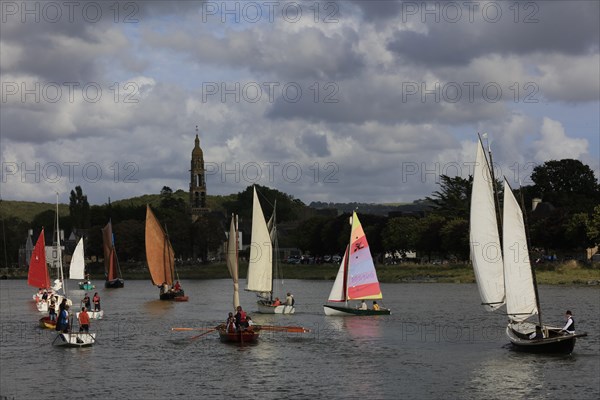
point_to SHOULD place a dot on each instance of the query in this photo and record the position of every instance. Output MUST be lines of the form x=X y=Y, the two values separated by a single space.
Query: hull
x=556 y=342
x=74 y=339
x=347 y=311
x=114 y=284
x=174 y=296
x=93 y=314
x=238 y=337
x=47 y=323
x=86 y=286
x=268 y=309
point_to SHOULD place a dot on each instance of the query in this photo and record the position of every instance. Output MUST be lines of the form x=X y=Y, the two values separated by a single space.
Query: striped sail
x=362 y=280
x=484 y=240
x=520 y=293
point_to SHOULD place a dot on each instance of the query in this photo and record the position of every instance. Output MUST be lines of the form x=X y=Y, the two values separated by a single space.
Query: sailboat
x=161 y=259
x=260 y=267
x=112 y=269
x=225 y=334
x=68 y=339
x=356 y=278
x=504 y=274
x=77 y=267
x=37 y=275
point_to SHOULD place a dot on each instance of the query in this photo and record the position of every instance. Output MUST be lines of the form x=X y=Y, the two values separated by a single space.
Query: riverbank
x=570 y=273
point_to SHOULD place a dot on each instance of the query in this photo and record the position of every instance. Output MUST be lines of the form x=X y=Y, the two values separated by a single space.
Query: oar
x=205 y=333
x=191 y=329
x=291 y=329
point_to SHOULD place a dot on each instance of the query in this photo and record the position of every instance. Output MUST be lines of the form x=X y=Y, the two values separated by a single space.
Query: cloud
x=555 y=144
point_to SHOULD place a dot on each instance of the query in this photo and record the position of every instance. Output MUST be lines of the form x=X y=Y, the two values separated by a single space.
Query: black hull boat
x=114 y=284
x=556 y=342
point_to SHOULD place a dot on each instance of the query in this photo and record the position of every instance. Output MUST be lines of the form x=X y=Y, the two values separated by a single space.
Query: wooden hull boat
x=241 y=337
x=47 y=323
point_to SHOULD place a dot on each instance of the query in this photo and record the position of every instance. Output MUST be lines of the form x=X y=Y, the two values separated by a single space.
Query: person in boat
x=87 y=302
x=363 y=305
x=289 y=299
x=570 y=325
x=164 y=288
x=84 y=320
x=52 y=309
x=62 y=324
x=230 y=323
x=96 y=300
x=250 y=323
x=376 y=306
x=45 y=296
x=276 y=302
x=538 y=334
x=241 y=321
x=177 y=287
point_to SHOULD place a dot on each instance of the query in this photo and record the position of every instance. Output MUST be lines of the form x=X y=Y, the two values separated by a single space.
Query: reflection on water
x=435 y=349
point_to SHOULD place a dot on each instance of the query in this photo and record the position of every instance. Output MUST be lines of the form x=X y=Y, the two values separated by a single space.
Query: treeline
x=567 y=220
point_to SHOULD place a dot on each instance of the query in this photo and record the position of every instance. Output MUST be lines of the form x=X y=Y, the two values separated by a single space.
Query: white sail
x=260 y=266
x=486 y=253
x=337 y=291
x=520 y=292
x=76 y=270
x=232 y=260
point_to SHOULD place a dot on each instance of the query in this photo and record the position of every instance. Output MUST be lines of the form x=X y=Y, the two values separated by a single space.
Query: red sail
x=38 y=270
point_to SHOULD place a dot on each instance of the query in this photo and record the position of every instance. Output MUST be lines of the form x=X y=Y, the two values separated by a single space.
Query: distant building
x=197 y=182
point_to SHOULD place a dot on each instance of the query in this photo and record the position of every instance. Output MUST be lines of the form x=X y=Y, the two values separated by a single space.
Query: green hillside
x=27 y=210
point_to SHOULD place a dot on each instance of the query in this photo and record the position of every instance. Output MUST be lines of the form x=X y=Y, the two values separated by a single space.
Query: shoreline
x=570 y=273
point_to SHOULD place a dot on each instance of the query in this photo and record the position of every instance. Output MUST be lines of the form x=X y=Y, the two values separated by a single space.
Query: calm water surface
x=437 y=344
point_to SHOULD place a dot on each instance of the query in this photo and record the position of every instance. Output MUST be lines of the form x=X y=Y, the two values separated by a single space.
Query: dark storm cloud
x=562 y=27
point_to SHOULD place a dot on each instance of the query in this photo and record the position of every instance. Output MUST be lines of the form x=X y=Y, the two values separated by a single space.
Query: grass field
x=570 y=273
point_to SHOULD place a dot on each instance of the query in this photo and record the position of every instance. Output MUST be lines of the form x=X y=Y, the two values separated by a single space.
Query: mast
x=533 y=275
x=62 y=279
x=494 y=187
x=347 y=261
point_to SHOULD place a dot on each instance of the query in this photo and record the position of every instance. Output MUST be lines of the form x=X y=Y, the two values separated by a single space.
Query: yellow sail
x=159 y=252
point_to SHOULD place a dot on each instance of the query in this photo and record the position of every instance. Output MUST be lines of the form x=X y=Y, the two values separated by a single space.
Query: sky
x=333 y=101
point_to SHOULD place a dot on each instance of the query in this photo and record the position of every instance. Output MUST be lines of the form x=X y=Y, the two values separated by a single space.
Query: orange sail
x=38 y=270
x=111 y=262
x=159 y=252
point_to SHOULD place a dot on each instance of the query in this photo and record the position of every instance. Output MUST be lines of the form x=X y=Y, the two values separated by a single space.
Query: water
x=438 y=343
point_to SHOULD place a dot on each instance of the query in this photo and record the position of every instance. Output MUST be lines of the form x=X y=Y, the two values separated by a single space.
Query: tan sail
x=232 y=260
x=159 y=252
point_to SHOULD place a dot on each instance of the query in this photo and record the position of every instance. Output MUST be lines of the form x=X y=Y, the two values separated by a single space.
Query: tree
x=452 y=200
x=455 y=238
x=593 y=227
x=79 y=209
x=567 y=183
x=400 y=234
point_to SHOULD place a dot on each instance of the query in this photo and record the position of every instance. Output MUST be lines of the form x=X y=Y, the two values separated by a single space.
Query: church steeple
x=197 y=181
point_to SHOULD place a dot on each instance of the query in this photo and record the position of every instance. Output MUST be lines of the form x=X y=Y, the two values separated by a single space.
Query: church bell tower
x=197 y=182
